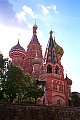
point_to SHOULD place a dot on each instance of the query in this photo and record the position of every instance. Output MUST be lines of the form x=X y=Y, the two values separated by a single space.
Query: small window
x=49 y=69
x=57 y=70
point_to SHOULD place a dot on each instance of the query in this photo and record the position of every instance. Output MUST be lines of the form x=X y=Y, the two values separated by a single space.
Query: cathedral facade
x=47 y=69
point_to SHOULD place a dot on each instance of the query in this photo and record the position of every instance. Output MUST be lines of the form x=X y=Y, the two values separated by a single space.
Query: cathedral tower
x=33 y=46
x=56 y=86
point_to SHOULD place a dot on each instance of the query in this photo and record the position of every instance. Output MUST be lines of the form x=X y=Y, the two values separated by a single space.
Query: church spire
x=35 y=28
x=18 y=38
x=51 y=55
x=18 y=41
x=34 y=39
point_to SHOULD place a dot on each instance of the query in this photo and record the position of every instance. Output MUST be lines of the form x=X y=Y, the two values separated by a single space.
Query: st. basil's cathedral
x=47 y=69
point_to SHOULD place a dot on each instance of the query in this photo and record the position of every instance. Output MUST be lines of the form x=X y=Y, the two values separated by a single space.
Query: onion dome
x=17 y=47
x=58 y=49
x=69 y=81
x=53 y=51
x=36 y=61
x=35 y=26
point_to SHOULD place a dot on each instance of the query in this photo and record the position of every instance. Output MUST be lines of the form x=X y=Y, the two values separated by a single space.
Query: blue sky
x=62 y=16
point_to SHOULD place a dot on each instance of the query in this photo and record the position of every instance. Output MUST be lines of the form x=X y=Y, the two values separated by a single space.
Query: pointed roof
x=34 y=39
x=51 y=55
x=17 y=47
x=53 y=50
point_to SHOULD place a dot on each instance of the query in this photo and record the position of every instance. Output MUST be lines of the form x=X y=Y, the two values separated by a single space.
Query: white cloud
x=45 y=9
x=48 y=7
x=29 y=11
x=21 y=16
x=54 y=7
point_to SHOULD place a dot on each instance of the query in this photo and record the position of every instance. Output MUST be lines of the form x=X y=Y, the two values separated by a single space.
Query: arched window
x=54 y=85
x=57 y=70
x=61 y=87
x=49 y=69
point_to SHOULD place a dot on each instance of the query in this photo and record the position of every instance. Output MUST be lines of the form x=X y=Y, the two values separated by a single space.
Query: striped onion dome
x=17 y=47
x=53 y=50
x=58 y=49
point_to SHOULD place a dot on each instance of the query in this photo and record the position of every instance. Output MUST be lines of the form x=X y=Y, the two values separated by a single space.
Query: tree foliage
x=12 y=83
x=1 y=61
x=75 y=99
x=16 y=86
x=1 y=66
x=33 y=91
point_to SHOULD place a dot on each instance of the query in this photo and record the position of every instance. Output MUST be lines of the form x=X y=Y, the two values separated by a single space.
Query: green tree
x=75 y=99
x=16 y=85
x=12 y=86
x=1 y=61
x=1 y=67
x=2 y=76
x=33 y=91
x=1 y=95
